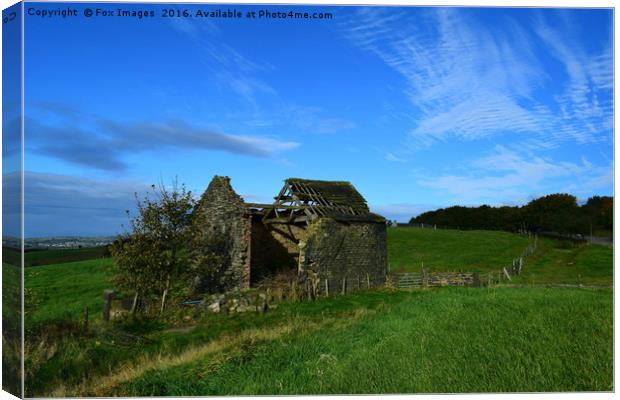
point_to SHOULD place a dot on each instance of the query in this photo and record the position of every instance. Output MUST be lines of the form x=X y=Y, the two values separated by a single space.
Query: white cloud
x=468 y=81
x=391 y=157
x=516 y=177
x=313 y=119
x=226 y=66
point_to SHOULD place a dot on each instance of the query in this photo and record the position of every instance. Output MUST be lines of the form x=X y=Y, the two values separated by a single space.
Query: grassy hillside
x=11 y=328
x=561 y=262
x=554 y=261
x=445 y=340
x=380 y=341
x=33 y=258
x=452 y=250
x=11 y=288
x=11 y=256
x=61 y=291
x=59 y=256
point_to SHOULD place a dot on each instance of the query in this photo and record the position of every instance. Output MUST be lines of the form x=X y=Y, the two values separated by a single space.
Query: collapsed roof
x=304 y=200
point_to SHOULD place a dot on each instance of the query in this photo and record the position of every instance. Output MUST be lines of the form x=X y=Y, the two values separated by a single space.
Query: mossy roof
x=335 y=199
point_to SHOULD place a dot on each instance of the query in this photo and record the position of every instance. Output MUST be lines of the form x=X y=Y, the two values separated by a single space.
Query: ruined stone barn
x=321 y=231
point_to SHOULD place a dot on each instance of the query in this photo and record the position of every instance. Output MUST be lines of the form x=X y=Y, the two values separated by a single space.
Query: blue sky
x=418 y=107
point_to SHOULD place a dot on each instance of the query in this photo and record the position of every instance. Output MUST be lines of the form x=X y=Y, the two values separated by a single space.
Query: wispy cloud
x=391 y=157
x=467 y=80
x=314 y=120
x=104 y=144
x=585 y=105
x=516 y=176
x=250 y=80
x=230 y=69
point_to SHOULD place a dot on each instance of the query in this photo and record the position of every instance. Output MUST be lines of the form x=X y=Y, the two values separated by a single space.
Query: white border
x=463 y=3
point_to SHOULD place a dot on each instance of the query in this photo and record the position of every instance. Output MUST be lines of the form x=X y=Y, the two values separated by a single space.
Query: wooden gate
x=409 y=280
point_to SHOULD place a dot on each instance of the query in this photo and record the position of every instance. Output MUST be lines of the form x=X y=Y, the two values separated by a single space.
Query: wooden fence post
x=476 y=279
x=326 y=287
x=368 y=280
x=507 y=275
x=108 y=296
x=344 y=285
x=85 y=319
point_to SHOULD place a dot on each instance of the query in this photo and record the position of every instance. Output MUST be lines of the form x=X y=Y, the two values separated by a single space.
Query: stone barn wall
x=221 y=212
x=354 y=252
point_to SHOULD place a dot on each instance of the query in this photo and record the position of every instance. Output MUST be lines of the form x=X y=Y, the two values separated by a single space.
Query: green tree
x=153 y=257
x=554 y=213
x=599 y=211
x=135 y=263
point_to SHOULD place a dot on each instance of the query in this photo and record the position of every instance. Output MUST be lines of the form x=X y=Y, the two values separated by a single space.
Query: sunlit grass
x=452 y=250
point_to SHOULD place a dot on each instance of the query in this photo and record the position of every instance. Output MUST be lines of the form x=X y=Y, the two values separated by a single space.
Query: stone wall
x=426 y=278
x=341 y=257
x=451 y=278
x=221 y=213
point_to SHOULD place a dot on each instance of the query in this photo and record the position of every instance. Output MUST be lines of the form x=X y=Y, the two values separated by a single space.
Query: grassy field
x=11 y=288
x=441 y=340
x=452 y=250
x=34 y=258
x=11 y=328
x=61 y=291
x=554 y=262
x=561 y=262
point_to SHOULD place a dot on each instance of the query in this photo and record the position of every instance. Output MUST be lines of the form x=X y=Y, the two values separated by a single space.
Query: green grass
x=59 y=256
x=561 y=262
x=11 y=329
x=452 y=250
x=447 y=340
x=33 y=258
x=441 y=341
x=11 y=256
x=11 y=289
x=61 y=291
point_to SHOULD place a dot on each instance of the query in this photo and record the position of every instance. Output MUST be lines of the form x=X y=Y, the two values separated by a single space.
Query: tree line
x=558 y=213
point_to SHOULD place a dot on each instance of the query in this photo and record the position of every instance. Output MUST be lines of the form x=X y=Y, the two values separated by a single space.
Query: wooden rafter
x=302 y=200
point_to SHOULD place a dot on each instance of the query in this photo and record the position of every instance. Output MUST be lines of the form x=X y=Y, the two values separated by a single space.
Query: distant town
x=58 y=242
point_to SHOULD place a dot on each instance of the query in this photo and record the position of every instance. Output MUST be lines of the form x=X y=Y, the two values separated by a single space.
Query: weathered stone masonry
x=350 y=255
x=321 y=231
x=222 y=212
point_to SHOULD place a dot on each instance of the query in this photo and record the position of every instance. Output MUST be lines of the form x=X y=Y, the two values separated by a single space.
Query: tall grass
x=440 y=341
